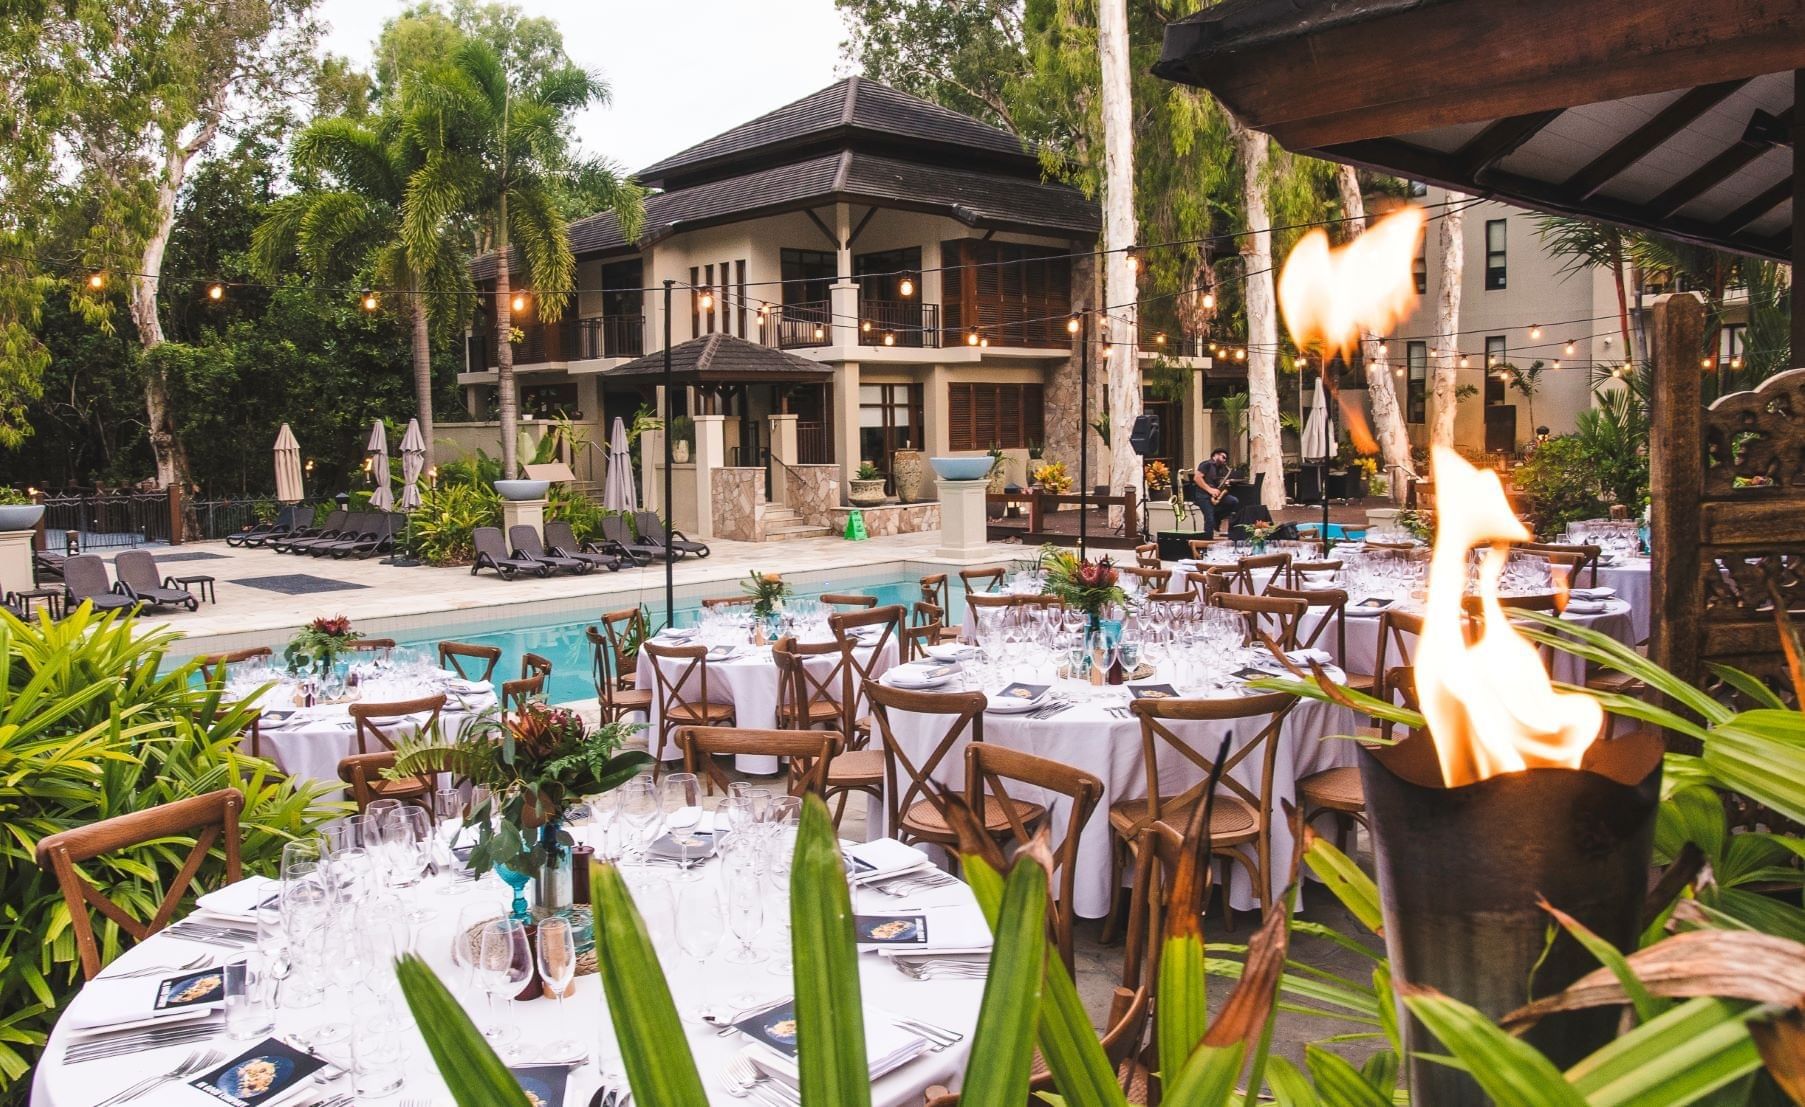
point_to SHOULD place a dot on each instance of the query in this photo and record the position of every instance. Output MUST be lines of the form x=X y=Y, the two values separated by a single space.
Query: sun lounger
x=356 y=525
x=85 y=578
x=328 y=530
x=141 y=579
x=652 y=532
x=525 y=540
x=287 y=521
x=619 y=540
x=378 y=536
x=560 y=539
x=492 y=553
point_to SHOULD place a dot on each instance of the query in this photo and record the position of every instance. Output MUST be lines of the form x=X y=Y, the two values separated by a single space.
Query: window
x=1495 y=356
x=1004 y=415
x=1420 y=269
x=1730 y=340
x=889 y=420
x=1416 y=382
x=807 y=276
x=1015 y=295
x=1494 y=255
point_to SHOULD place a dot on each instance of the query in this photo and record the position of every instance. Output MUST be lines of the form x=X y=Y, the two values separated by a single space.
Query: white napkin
x=240 y=900
x=949 y=651
x=887 y=857
x=887 y=1047
x=1598 y=593
x=1582 y=606
x=951 y=930
x=1322 y=657
x=469 y=687
x=117 y=1004
x=918 y=673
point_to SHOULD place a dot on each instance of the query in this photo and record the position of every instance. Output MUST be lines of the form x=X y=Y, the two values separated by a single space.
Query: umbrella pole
x=670 y=586
x=1084 y=432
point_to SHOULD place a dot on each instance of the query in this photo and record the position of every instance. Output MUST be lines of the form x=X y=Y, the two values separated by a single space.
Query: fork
x=928 y=970
x=154 y=970
x=744 y=1078
x=198 y=1061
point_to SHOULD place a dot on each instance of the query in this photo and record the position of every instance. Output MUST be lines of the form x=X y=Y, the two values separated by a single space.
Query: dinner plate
x=1000 y=705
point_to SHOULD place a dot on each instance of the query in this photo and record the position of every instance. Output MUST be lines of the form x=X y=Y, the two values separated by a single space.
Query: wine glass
x=740 y=816
x=699 y=931
x=637 y=809
x=743 y=886
x=448 y=823
x=558 y=967
x=1129 y=651
x=504 y=964
x=681 y=800
x=760 y=797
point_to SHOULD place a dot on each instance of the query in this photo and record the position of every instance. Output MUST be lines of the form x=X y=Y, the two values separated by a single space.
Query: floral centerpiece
x=1053 y=478
x=536 y=764
x=768 y=591
x=1088 y=586
x=1159 y=478
x=1260 y=533
x=319 y=643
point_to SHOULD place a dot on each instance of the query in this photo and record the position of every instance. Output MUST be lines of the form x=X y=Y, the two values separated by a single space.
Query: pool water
x=562 y=641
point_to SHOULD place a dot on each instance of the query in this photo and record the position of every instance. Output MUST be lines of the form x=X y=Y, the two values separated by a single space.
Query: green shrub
x=1615 y=437
x=445 y=523
x=1559 y=483
x=582 y=513
x=94 y=724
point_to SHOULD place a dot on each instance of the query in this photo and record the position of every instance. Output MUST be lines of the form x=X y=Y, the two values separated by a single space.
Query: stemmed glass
x=637 y=808
x=760 y=797
x=744 y=902
x=740 y=815
x=1129 y=651
x=699 y=931
x=448 y=823
x=558 y=967
x=504 y=963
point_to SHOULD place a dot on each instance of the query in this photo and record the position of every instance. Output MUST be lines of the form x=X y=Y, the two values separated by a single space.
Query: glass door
x=889 y=420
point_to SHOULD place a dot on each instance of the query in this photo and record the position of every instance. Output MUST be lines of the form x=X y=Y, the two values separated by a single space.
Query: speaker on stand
x=1147 y=441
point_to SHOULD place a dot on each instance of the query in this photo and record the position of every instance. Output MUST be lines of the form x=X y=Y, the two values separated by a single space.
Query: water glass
x=249 y=997
x=504 y=963
x=681 y=801
x=378 y=1056
x=700 y=927
x=744 y=902
x=637 y=808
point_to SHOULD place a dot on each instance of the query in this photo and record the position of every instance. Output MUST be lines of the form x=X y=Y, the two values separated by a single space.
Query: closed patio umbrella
x=289 y=488
x=619 y=494
x=382 y=499
x=413 y=463
x=1316 y=446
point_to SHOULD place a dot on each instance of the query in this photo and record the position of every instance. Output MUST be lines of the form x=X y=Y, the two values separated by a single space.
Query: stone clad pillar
x=962 y=518
x=711 y=454
x=15 y=560
x=783 y=448
x=846 y=419
x=516 y=512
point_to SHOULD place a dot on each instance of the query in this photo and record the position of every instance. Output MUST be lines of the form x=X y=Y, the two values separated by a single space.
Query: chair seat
x=1232 y=821
x=855 y=768
x=1361 y=682
x=923 y=820
x=630 y=699
x=405 y=788
x=1337 y=789
x=704 y=713
x=820 y=710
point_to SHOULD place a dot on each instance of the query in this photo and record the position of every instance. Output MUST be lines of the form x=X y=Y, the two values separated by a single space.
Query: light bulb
x=1384 y=348
x=1567 y=349
x=97 y=281
x=1735 y=363
x=1557 y=363
x=984 y=343
x=889 y=339
x=907 y=288
x=707 y=301
x=865 y=326
x=369 y=300
x=216 y=292
x=1464 y=361
x=1134 y=259
x=971 y=339
x=1160 y=338
x=1704 y=363
x=819 y=331
x=1240 y=355
x=1209 y=301
x=1535 y=332
x=1071 y=325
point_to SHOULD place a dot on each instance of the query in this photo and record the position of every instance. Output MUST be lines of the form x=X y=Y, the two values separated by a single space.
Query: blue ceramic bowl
x=961 y=468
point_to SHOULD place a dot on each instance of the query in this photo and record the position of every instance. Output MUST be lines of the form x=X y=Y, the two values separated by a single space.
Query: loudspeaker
x=1146 y=438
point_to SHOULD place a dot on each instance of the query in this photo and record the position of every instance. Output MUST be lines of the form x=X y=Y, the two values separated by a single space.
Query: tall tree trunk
x=165 y=443
x=1623 y=300
x=423 y=370
x=1381 y=394
x=1120 y=321
x=1264 y=449
x=1444 y=358
x=507 y=401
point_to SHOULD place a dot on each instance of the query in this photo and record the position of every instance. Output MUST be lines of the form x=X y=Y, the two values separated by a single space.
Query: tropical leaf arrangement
x=768 y=592
x=1088 y=586
x=318 y=644
x=536 y=763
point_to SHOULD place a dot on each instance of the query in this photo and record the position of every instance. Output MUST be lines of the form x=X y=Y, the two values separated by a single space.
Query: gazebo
x=1655 y=114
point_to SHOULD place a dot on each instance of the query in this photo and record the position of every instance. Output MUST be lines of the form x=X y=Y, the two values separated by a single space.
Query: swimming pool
x=561 y=639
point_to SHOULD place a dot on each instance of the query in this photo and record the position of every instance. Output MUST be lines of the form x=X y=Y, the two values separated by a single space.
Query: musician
x=1210 y=491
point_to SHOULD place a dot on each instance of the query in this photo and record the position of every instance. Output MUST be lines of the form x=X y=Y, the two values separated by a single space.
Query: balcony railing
x=566 y=340
x=805 y=324
x=899 y=323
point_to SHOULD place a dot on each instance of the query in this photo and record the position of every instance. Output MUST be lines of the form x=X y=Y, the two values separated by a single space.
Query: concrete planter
x=914 y=480
x=680 y=452
x=865 y=493
x=522 y=489
x=20 y=516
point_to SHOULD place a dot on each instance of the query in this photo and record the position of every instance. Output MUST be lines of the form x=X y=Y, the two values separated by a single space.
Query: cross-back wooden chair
x=848 y=599
x=363 y=775
x=214 y=666
x=1200 y=547
x=619 y=626
x=1338 y=792
x=1146 y=555
x=927 y=627
x=1298 y=573
x=212 y=819
x=1241 y=816
x=1209 y=582
x=1328 y=608
x=463 y=658
x=728 y=601
x=934 y=590
x=615 y=700
x=913 y=808
x=1152 y=580
x=1587 y=557
x=516 y=693
x=934 y=595
x=1169 y=599
x=809 y=752
x=532 y=664
x=378 y=731
x=982 y=579
x=983 y=611
x=681 y=700
x=815 y=695
x=990 y=769
x=866 y=650
x=1274 y=616
x=383 y=646
x=1246 y=569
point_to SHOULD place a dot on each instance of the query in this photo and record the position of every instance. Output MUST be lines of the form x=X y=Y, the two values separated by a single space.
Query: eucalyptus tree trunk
x=423 y=369
x=507 y=401
x=1444 y=357
x=1381 y=393
x=1264 y=450
x=1121 y=317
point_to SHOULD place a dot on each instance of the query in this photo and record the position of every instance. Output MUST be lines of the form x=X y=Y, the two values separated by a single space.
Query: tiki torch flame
x=1328 y=296
x=1490 y=706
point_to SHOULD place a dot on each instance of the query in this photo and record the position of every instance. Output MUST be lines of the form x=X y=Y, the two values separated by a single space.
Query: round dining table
x=1098 y=735
x=1612 y=618
x=1630 y=579
x=949 y=1004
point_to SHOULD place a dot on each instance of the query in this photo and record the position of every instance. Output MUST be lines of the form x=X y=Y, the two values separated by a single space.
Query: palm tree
x=351 y=226
x=1528 y=382
x=1589 y=244
x=501 y=156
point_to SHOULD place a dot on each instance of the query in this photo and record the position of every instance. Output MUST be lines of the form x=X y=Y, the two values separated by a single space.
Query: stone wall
x=814 y=492
x=890 y=519
x=739 y=504
x=1062 y=402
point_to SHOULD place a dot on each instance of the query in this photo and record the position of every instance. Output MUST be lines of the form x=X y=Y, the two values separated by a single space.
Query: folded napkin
x=1304 y=657
x=240 y=900
x=881 y=858
x=118 y=1004
x=951 y=930
x=887 y=1047
x=1598 y=593
x=1582 y=606
x=950 y=651
x=469 y=687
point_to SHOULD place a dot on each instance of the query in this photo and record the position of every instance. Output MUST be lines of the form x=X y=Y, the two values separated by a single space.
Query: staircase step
x=788 y=533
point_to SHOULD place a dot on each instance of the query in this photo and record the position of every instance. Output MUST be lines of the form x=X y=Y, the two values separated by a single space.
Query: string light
x=1134 y=259
x=216 y=292
x=865 y=325
x=1209 y=301
x=984 y=342
x=1464 y=361
x=1557 y=363
x=518 y=303
x=1735 y=363
x=971 y=339
x=707 y=301
x=1241 y=355
x=1704 y=363
x=1568 y=348
x=820 y=331
x=1159 y=339
x=369 y=300
x=1493 y=363
x=1384 y=348
x=1535 y=330
x=907 y=288
x=1071 y=325
x=889 y=339
x=96 y=281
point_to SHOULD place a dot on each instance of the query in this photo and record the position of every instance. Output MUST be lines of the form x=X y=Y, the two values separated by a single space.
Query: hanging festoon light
x=1209 y=301
x=1535 y=331
x=518 y=303
x=1704 y=363
x=707 y=301
x=1071 y=325
x=865 y=325
x=1134 y=258
x=889 y=338
x=1568 y=348
x=1241 y=354
x=216 y=292
x=971 y=339
x=1465 y=361
x=1159 y=339
x=907 y=288
x=1557 y=363
x=96 y=281
x=367 y=300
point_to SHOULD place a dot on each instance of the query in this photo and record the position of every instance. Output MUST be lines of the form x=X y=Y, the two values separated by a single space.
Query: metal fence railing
x=108 y=520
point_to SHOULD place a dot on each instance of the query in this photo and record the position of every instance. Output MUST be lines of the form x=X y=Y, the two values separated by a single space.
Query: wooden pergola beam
x=1377 y=68
x=1499 y=140
x=1644 y=140
x=1712 y=173
x=1767 y=201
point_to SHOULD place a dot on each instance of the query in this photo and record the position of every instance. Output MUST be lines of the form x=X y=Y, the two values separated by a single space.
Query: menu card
x=261 y=1074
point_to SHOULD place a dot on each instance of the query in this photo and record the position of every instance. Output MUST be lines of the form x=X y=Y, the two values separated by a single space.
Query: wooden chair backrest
x=923 y=633
x=372 y=645
x=453 y=655
x=1146 y=555
x=1588 y=556
x=377 y=720
x=1296 y=572
x=616 y=624
x=864 y=657
x=212 y=819
x=1274 y=616
x=961 y=713
x=1174 y=599
x=989 y=770
x=361 y=771
x=1200 y=547
x=602 y=661
x=799 y=684
x=668 y=689
x=980 y=606
x=982 y=579
x=1330 y=631
x=848 y=599
x=729 y=601
x=1152 y=580
x=810 y=752
x=516 y=693
x=1279 y=563
x=532 y=664
x=934 y=591
x=215 y=665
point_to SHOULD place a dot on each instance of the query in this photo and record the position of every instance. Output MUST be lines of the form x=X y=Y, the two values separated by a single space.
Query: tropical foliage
x=1081 y=583
x=97 y=720
x=768 y=591
x=443 y=528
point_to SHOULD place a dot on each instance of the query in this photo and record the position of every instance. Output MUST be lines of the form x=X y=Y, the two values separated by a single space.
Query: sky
x=680 y=70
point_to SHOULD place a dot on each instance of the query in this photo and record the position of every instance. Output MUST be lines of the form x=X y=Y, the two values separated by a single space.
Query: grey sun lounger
x=614 y=530
x=526 y=543
x=328 y=529
x=287 y=521
x=652 y=532
x=356 y=525
x=85 y=578
x=375 y=538
x=492 y=553
x=141 y=579
x=562 y=540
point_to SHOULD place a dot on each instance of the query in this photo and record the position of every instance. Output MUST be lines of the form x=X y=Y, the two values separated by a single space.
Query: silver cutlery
x=909 y=885
x=1047 y=711
x=203 y=961
x=725 y=1022
x=929 y=968
x=140 y=1040
x=344 y=1100
x=743 y=1078
x=197 y=1062
x=936 y=1034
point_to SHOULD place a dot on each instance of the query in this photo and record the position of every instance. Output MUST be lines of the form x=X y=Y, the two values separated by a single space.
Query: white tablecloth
x=1632 y=582
x=1363 y=639
x=948 y=1003
x=1089 y=738
x=314 y=739
x=749 y=682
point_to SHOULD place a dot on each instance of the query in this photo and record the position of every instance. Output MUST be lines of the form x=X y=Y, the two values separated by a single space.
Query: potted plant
x=866 y=488
x=17 y=510
x=999 y=468
x=683 y=430
x=1053 y=478
x=537 y=763
x=317 y=646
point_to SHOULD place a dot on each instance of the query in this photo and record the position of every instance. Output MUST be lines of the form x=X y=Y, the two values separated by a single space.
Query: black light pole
x=670 y=587
x=1084 y=429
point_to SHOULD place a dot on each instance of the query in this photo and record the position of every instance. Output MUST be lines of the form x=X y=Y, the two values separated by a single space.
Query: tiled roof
x=723 y=357
x=846 y=110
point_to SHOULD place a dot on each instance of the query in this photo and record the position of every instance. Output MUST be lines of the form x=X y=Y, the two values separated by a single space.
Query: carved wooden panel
x=1755 y=441
x=1745 y=585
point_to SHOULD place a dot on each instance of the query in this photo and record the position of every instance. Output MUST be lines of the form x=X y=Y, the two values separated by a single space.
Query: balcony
x=605 y=336
x=899 y=323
